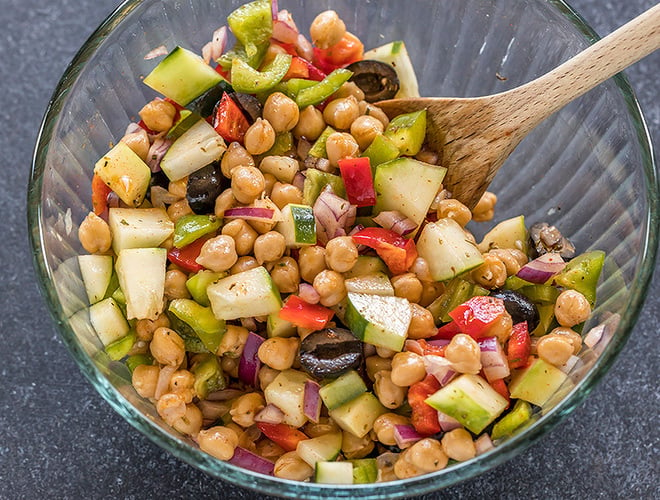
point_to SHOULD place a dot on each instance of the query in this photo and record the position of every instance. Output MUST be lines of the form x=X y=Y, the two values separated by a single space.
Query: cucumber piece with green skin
x=381 y=150
x=315 y=181
x=206 y=326
x=537 y=382
x=507 y=425
x=447 y=250
x=407 y=132
x=470 y=400
x=186 y=120
x=358 y=416
x=318 y=148
x=343 y=389
x=141 y=273
x=287 y=392
x=108 y=321
x=456 y=293
x=298 y=225
x=510 y=233
x=123 y=171
x=365 y=470
x=395 y=180
x=245 y=294
x=278 y=327
x=182 y=76
x=138 y=227
x=197 y=147
x=366 y=265
x=96 y=272
x=396 y=55
x=372 y=284
x=324 y=448
x=121 y=347
x=333 y=473
x=378 y=320
x=582 y=273
x=199 y=282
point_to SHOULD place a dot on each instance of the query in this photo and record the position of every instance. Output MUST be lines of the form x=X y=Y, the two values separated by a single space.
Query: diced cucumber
x=315 y=181
x=186 y=120
x=318 y=148
x=199 y=282
x=245 y=294
x=519 y=415
x=334 y=473
x=395 y=180
x=182 y=75
x=510 y=233
x=206 y=326
x=407 y=132
x=298 y=225
x=396 y=55
x=470 y=400
x=366 y=265
x=358 y=416
x=141 y=273
x=121 y=347
x=139 y=227
x=381 y=150
x=456 y=292
x=125 y=173
x=372 y=284
x=343 y=389
x=365 y=470
x=378 y=320
x=447 y=250
x=324 y=448
x=287 y=392
x=537 y=382
x=96 y=272
x=108 y=321
x=278 y=327
x=199 y=146
x=582 y=273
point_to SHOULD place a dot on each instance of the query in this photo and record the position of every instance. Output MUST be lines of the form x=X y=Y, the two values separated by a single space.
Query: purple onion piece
x=214 y=49
x=542 y=268
x=157 y=151
x=312 y=401
x=395 y=221
x=248 y=366
x=483 y=444
x=308 y=293
x=333 y=216
x=284 y=28
x=406 y=435
x=447 y=423
x=270 y=414
x=248 y=460
x=440 y=368
x=250 y=213
x=493 y=359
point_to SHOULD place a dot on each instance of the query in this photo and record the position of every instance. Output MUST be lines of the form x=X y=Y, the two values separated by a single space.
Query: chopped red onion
x=493 y=359
x=224 y=395
x=157 y=151
x=248 y=460
x=250 y=213
x=312 y=401
x=542 y=268
x=249 y=323
x=132 y=128
x=395 y=221
x=308 y=293
x=157 y=52
x=438 y=342
x=299 y=180
x=483 y=444
x=333 y=215
x=406 y=435
x=447 y=423
x=273 y=8
x=568 y=366
x=214 y=49
x=163 y=382
x=440 y=368
x=160 y=197
x=270 y=414
x=303 y=48
x=248 y=366
x=413 y=346
x=284 y=28
x=593 y=337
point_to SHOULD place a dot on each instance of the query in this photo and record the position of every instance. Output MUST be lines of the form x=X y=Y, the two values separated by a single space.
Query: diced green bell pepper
x=191 y=227
x=208 y=375
x=246 y=79
x=199 y=282
x=316 y=180
x=132 y=362
x=238 y=52
x=206 y=326
x=507 y=425
x=121 y=347
x=582 y=273
x=319 y=92
x=283 y=144
x=318 y=148
x=252 y=25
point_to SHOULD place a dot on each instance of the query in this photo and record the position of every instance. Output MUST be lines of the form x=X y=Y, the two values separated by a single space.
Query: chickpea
x=341 y=254
x=428 y=156
x=145 y=379
x=310 y=124
x=245 y=407
x=279 y=352
x=224 y=201
x=191 y=421
x=501 y=328
x=349 y=89
x=247 y=184
x=372 y=110
x=431 y=290
x=325 y=425
x=281 y=112
x=454 y=209
x=260 y=137
x=181 y=383
x=327 y=29
x=374 y=364
x=354 y=447
x=311 y=261
x=513 y=259
x=138 y=142
x=233 y=341
x=171 y=407
x=286 y=275
x=403 y=469
x=243 y=235
x=485 y=208
x=365 y=128
x=571 y=308
x=167 y=347
x=158 y=115
x=572 y=335
x=491 y=274
x=269 y=182
x=269 y=247
x=340 y=145
x=291 y=466
x=144 y=328
x=384 y=352
x=330 y=287
x=283 y=194
x=178 y=209
x=244 y=263
x=218 y=441
x=408 y=286
x=464 y=354
x=458 y=445
x=284 y=168
x=384 y=427
x=422 y=324
x=389 y=394
x=235 y=156
x=269 y=450
x=94 y=234
x=421 y=269
x=175 y=285
x=427 y=455
x=341 y=113
x=555 y=349
x=266 y=376
x=218 y=254
x=407 y=368
x=178 y=188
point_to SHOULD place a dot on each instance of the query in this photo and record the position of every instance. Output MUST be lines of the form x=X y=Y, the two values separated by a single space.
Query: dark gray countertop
x=58 y=438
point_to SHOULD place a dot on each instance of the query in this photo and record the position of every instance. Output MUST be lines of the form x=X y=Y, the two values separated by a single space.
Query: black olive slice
x=376 y=79
x=249 y=104
x=204 y=105
x=519 y=307
x=329 y=353
x=204 y=186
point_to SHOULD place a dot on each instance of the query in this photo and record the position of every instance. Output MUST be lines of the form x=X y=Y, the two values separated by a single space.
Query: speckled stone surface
x=59 y=439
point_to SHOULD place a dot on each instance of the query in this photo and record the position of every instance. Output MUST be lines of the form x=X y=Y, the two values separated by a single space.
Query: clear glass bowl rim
x=292 y=489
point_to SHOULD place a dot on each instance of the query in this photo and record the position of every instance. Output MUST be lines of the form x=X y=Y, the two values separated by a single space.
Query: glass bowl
x=588 y=169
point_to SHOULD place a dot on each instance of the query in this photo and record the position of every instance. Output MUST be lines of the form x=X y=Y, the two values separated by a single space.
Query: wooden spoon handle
x=540 y=98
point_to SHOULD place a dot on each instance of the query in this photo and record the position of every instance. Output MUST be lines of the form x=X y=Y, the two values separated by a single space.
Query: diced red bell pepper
x=398 y=252
x=359 y=183
x=185 y=257
x=229 y=120
x=100 y=192
x=223 y=73
x=447 y=331
x=282 y=434
x=305 y=315
x=348 y=50
x=519 y=346
x=424 y=418
x=302 y=68
x=477 y=315
x=500 y=387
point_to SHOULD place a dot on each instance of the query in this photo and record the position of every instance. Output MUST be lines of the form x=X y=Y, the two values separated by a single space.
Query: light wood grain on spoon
x=474 y=136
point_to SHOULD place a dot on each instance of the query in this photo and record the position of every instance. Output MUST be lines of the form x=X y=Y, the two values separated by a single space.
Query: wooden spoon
x=474 y=136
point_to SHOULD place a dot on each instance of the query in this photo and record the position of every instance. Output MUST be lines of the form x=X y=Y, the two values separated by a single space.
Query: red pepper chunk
x=519 y=347
x=424 y=418
x=447 y=331
x=304 y=314
x=229 y=121
x=500 y=387
x=398 y=252
x=477 y=315
x=302 y=68
x=100 y=192
x=282 y=434
x=356 y=173
x=348 y=50
x=185 y=257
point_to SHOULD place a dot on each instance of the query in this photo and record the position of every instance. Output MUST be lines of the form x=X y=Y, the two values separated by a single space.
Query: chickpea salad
x=279 y=267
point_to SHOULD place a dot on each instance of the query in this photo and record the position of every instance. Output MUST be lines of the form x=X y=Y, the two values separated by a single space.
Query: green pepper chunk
x=318 y=149
x=283 y=144
x=316 y=180
x=582 y=273
x=252 y=25
x=246 y=79
x=208 y=374
x=132 y=362
x=318 y=93
x=191 y=227
x=199 y=282
x=121 y=347
x=201 y=319
x=512 y=421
